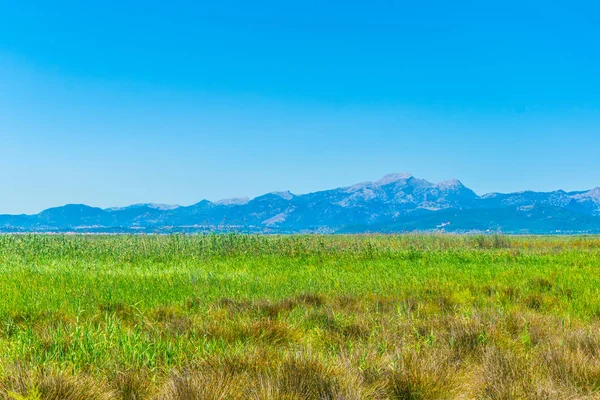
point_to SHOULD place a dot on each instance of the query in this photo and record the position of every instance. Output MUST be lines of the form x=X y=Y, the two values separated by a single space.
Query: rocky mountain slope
x=395 y=203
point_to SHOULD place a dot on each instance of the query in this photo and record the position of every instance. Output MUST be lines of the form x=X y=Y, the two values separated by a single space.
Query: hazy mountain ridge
x=395 y=203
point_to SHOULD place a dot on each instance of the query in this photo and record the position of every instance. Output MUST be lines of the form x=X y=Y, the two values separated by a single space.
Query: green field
x=299 y=317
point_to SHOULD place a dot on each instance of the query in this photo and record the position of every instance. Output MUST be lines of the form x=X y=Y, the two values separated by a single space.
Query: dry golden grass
x=385 y=354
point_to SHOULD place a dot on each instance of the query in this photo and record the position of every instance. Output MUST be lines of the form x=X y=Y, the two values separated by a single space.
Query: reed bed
x=299 y=317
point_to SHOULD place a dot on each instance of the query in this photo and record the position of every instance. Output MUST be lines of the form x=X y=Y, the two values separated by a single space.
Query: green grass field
x=299 y=317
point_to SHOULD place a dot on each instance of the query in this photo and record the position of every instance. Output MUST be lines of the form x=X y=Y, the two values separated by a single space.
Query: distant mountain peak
x=71 y=208
x=236 y=201
x=393 y=178
x=449 y=184
x=286 y=195
x=593 y=195
x=154 y=206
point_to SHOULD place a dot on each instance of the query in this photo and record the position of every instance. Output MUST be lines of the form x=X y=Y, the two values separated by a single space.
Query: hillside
x=395 y=203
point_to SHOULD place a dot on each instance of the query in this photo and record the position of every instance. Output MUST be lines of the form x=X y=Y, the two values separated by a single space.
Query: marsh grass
x=299 y=317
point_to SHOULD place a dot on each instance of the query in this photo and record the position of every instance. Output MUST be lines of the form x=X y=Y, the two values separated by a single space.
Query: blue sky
x=112 y=103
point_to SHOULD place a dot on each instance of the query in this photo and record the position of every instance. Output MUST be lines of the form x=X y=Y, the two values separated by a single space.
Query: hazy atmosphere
x=173 y=103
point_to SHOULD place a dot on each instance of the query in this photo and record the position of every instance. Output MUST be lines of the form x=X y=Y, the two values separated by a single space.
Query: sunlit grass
x=299 y=317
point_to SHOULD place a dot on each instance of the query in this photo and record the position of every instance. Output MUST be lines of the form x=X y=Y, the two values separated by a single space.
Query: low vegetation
x=299 y=317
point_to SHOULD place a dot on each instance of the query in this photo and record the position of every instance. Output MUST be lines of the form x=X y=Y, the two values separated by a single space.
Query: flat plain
x=299 y=317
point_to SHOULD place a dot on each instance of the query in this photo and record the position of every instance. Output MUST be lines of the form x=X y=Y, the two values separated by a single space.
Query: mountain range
x=395 y=203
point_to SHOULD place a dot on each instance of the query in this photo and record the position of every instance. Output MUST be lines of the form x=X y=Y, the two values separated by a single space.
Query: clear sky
x=119 y=102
